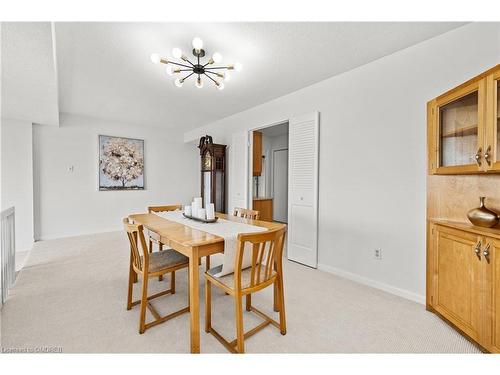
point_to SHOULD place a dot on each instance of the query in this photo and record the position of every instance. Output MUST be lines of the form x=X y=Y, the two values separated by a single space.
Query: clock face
x=207 y=161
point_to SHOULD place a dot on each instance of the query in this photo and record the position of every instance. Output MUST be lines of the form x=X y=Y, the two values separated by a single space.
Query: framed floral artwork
x=121 y=163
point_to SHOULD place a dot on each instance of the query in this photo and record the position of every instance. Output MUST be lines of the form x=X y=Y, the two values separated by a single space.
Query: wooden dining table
x=194 y=244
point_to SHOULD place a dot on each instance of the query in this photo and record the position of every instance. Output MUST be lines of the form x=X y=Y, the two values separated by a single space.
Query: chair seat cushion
x=246 y=275
x=166 y=259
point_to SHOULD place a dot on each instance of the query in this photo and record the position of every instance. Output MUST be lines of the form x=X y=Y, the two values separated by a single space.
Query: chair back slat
x=171 y=207
x=267 y=251
x=246 y=213
x=139 y=253
x=270 y=257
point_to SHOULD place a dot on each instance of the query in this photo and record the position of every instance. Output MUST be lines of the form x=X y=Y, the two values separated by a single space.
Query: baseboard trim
x=373 y=283
x=77 y=234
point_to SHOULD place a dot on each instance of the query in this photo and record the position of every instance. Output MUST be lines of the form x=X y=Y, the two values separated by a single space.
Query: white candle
x=187 y=210
x=202 y=213
x=199 y=202
x=195 y=207
x=211 y=211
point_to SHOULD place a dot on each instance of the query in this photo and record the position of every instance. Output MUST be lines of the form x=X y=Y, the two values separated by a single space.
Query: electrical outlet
x=377 y=253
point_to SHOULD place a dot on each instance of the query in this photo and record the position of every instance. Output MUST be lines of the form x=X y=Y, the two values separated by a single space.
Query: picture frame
x=121 y=163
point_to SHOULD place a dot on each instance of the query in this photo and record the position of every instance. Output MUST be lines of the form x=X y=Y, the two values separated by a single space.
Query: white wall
x=373 y=152
x=17 y=178
x=69 y=203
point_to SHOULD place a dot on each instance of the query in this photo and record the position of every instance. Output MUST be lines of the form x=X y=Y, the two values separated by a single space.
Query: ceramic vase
x=483 y=217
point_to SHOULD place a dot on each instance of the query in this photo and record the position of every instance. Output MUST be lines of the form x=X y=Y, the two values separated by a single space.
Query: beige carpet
x=72 y=293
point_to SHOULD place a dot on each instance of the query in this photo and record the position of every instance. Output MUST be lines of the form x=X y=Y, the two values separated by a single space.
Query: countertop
x=262 y=198
x=490 y=232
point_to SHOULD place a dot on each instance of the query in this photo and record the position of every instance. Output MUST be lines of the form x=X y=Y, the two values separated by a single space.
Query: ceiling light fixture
x=200 y=69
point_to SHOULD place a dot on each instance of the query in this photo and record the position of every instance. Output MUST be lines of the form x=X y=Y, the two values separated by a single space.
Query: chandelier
x=217 y=74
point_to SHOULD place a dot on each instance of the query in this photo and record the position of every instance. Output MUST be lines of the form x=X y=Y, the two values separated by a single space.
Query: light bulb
x=221 y=86
x=217 y=57
x=197 y=43
x=155 y=58
x=178 y=82
x=227 y=77
x=170 y=70
x=238 y=67
x=177 y=53
x=199 y=83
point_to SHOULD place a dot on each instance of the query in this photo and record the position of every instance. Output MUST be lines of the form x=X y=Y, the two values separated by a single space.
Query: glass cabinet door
x=459 y=132
x=492 y=145
x=458 y=128
x=496 y=112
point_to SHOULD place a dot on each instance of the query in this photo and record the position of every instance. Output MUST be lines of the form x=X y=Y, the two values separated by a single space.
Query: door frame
x=249 y=181
x=272 y=187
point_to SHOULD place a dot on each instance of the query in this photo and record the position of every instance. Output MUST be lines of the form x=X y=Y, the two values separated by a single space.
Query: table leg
x=194 y=301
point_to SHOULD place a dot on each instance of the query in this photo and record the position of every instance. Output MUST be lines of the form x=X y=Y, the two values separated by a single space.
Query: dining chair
x=265 y=270
x=147 y=265
x=155 y=238
x=246 y=213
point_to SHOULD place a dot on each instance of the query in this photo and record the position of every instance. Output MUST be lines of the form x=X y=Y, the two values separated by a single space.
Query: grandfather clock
x=213 y=173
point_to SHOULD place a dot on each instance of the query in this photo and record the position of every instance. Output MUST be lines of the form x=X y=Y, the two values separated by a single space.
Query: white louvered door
x=303 y=154
x=238 y=165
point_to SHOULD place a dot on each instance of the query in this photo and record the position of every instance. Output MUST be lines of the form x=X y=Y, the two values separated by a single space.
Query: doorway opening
x=269 y=185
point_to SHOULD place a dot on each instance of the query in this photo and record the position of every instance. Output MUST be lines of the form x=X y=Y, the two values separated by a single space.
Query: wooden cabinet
x=463 y=265
x=457 y=279
x=265 y=207
x=257 y=153
x=493 y=119
x=463 y=127
x=492 y=294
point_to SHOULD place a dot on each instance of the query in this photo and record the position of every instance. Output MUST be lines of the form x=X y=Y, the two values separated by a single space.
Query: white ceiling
x=104 y=69
x=29 y=76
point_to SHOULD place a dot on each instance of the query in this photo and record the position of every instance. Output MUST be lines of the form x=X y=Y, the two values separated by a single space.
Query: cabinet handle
x=478 y=156
x=477 y=249
x=487 y=155
x=486 y=251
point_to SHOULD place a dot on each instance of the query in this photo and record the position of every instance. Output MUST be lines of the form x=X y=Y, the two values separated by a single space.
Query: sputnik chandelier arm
x=198 y=69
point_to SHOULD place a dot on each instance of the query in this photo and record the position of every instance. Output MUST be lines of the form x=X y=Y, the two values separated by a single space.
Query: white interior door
x=280 y=185
x=303 y=155
x=239 y=171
